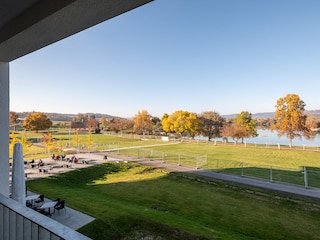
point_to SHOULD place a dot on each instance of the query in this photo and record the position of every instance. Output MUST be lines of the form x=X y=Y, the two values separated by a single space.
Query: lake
x=271 y=138
x=268 y=137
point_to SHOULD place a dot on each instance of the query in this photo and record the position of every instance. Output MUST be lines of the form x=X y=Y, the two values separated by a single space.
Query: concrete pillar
x=18 y=178
x=4 y=128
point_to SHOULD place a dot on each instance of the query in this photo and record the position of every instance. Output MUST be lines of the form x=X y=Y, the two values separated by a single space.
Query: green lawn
x=130 y=201
x=284 y=165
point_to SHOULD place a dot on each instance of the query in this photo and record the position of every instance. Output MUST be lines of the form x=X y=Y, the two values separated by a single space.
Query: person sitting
x=105 y=157
x=40 y=164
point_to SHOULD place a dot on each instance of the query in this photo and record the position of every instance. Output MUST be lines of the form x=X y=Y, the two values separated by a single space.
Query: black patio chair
x=60 y=205
x=38 y=202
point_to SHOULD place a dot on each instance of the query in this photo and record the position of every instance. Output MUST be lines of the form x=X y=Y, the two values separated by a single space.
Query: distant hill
x=69 y=117
x=64 y=116
x=264 y=115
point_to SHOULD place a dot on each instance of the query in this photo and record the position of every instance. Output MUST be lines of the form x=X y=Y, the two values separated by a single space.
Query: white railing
x=19 y=222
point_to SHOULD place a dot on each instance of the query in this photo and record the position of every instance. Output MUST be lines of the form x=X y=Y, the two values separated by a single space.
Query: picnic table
x=47 y=206
x=31 y=198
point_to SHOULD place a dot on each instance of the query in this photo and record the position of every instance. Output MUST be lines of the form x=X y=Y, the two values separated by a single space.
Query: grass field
x=284 y=165
x=131 y=201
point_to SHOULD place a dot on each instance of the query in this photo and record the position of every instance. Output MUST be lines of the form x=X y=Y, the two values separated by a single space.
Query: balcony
x=19 y=222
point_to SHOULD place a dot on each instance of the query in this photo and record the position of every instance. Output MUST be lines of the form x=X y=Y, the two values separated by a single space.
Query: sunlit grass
x=133 y=174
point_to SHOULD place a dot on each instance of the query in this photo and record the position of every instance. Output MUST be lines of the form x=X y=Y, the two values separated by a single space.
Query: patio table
x=31 y=198
x=48 y=206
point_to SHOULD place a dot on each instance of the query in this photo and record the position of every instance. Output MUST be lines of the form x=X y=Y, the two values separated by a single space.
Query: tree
x=289 y=117
x=89 y=141
x=103 y=122
x=210 y=124
x=91 y=124
x=47 y=140
x=13 y=140
x=182 y=122
x=312 y=125
x=245 y=119
x=81 y=118
x=234 y=130
x=156 y=125
x=13 y=117
x=120 y=124
x=37 y=121
x=142 y=122
x=166 y=123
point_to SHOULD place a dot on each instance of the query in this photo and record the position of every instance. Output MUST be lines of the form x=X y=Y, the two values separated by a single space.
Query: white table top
x=32 y=197
x=48 y=205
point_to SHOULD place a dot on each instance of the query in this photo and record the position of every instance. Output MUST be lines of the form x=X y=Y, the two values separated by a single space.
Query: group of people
x=40 y=163
x=54 y=157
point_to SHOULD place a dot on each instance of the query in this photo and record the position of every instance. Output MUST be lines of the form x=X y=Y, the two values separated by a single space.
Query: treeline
x=289 y=120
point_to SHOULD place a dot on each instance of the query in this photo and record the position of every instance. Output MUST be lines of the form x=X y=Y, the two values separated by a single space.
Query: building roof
x=28 y=25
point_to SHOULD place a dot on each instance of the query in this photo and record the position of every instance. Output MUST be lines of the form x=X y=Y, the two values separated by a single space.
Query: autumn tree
x=103 y=122
x=89 y=141
x=181 y=122
x=120 y=124
x=234 y=130
x=37 y=121
x=13 y=140
x=166 y=123
x=13 y=117
x=77 y=141
x=210 y=124
x=142 y=122
x=47 y=140
x=91 y=124
x=244 y=119
x=312 y=125
x=289 y=117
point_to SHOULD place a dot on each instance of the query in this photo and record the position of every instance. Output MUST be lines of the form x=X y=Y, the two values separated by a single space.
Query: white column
x=4 y=128
x=18 y=189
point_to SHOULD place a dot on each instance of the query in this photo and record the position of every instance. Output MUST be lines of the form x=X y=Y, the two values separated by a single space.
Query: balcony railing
x=19 y=222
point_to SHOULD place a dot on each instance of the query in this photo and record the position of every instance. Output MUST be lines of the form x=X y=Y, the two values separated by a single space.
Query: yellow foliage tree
x=37 y=121
x=90 y=141
x=289 y=117
x=77 y=141
x=13 y=140
x=142 y=122
x=47 y=140
x=181 y=122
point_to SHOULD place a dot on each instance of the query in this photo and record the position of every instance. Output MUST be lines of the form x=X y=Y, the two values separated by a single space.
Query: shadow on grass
x=177 y=206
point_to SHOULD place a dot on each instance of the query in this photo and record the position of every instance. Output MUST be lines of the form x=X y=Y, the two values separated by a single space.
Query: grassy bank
x=130 y=201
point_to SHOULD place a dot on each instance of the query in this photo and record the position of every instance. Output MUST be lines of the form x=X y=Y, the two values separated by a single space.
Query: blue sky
x=210 y=55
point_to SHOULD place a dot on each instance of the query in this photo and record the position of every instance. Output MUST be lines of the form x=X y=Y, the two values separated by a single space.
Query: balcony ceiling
x=28 y=25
